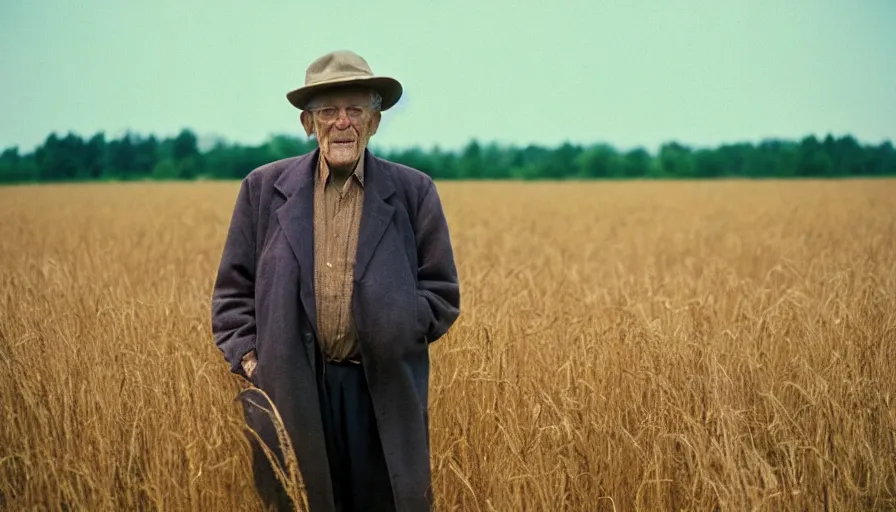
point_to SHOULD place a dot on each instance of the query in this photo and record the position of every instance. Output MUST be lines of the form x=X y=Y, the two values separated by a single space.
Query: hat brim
x=389 y=88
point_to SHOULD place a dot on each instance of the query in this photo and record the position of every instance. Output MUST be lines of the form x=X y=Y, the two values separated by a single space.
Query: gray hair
x=376 y=101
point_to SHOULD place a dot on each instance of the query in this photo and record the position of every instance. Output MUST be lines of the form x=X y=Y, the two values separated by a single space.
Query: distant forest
x=133 y=157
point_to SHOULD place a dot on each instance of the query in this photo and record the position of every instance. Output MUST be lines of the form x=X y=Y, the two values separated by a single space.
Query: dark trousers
x=357 y=465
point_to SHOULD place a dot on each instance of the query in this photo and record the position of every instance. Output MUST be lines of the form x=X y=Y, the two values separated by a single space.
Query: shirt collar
x=358 y=173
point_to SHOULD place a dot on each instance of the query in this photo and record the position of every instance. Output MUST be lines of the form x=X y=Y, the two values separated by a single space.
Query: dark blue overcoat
x=406 y=296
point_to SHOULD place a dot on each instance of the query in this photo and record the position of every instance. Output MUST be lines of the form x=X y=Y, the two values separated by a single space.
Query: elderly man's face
x=343 y=121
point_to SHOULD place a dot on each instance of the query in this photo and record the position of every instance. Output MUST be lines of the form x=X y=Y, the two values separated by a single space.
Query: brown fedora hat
x=343 y=68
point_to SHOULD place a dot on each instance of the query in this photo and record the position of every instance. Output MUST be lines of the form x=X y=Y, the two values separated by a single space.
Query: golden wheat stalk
x=291 y=478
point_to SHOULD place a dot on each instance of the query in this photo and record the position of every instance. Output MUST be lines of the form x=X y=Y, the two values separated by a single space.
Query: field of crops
x=621 y=346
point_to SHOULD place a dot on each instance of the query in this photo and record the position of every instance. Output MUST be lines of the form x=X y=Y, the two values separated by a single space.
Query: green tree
x=166 y=170
x=185 y=145
x=444 y=164
x=285 y=146
x=708 y=164
x=848 y=157
x=636 y=163
x=675 y=161
x=470 y=164
x=416 y=158
x=813 y=160
x=496 y=162
x=61 y=159
x=145 y=157
x=561 y=163
x=94 y=156
x=120 y=158
x=530 y=162
x=599 y=161
x=12 y=169
x=880 y=160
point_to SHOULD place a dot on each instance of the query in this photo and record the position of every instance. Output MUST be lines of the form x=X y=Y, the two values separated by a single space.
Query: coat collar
x=300 y=174
x=357 y=175
x=296 y=217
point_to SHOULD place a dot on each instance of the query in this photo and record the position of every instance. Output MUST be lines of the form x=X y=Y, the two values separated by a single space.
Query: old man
x=337 y=274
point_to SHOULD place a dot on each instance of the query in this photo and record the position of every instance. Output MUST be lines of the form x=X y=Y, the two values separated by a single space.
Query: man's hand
x=233 y=298
x=249 y=363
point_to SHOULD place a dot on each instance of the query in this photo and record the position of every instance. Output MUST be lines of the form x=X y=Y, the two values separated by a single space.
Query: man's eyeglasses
x=354 y=113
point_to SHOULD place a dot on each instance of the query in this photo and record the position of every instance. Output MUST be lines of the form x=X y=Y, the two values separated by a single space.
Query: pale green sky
x=628 y=73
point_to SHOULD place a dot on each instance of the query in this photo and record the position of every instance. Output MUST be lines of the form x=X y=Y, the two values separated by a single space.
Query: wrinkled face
x=343 y=122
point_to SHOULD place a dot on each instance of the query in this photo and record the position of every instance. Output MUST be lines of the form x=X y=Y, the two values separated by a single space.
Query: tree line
x=135 y=157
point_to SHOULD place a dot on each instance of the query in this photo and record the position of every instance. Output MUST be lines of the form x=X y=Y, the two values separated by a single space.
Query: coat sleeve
x=233 y=297
x=438 y=290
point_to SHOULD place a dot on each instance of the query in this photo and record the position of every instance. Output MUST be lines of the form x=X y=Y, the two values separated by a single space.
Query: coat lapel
x=296 y=218
x=375 y=214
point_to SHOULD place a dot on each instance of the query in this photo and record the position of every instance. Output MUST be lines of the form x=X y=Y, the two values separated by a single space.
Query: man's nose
x=343 y=121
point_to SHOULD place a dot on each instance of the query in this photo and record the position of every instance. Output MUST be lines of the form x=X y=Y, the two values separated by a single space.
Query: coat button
x=308 y=337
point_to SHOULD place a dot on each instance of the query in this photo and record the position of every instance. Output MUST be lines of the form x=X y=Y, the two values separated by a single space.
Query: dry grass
x=622 y=346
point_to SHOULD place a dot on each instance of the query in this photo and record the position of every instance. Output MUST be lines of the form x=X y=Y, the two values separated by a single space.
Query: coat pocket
x=422 y=318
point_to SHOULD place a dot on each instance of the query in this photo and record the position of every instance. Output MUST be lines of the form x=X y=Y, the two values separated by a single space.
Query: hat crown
x=337 y=65
x=343 y=68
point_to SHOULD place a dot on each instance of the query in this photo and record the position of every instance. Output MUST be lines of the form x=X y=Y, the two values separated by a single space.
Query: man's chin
x=341 y=158
x=342 y=152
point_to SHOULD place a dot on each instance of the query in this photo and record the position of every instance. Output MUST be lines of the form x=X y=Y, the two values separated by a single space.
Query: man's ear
x=375 y=122
x=307 y=122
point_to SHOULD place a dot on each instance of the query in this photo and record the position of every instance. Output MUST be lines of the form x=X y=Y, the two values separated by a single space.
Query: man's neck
x=340 y=174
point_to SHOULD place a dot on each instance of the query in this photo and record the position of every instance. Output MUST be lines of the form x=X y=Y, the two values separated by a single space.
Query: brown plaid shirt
x=337 y=216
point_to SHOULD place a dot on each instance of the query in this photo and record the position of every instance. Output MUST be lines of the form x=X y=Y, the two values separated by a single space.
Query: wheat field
x=622 y=346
